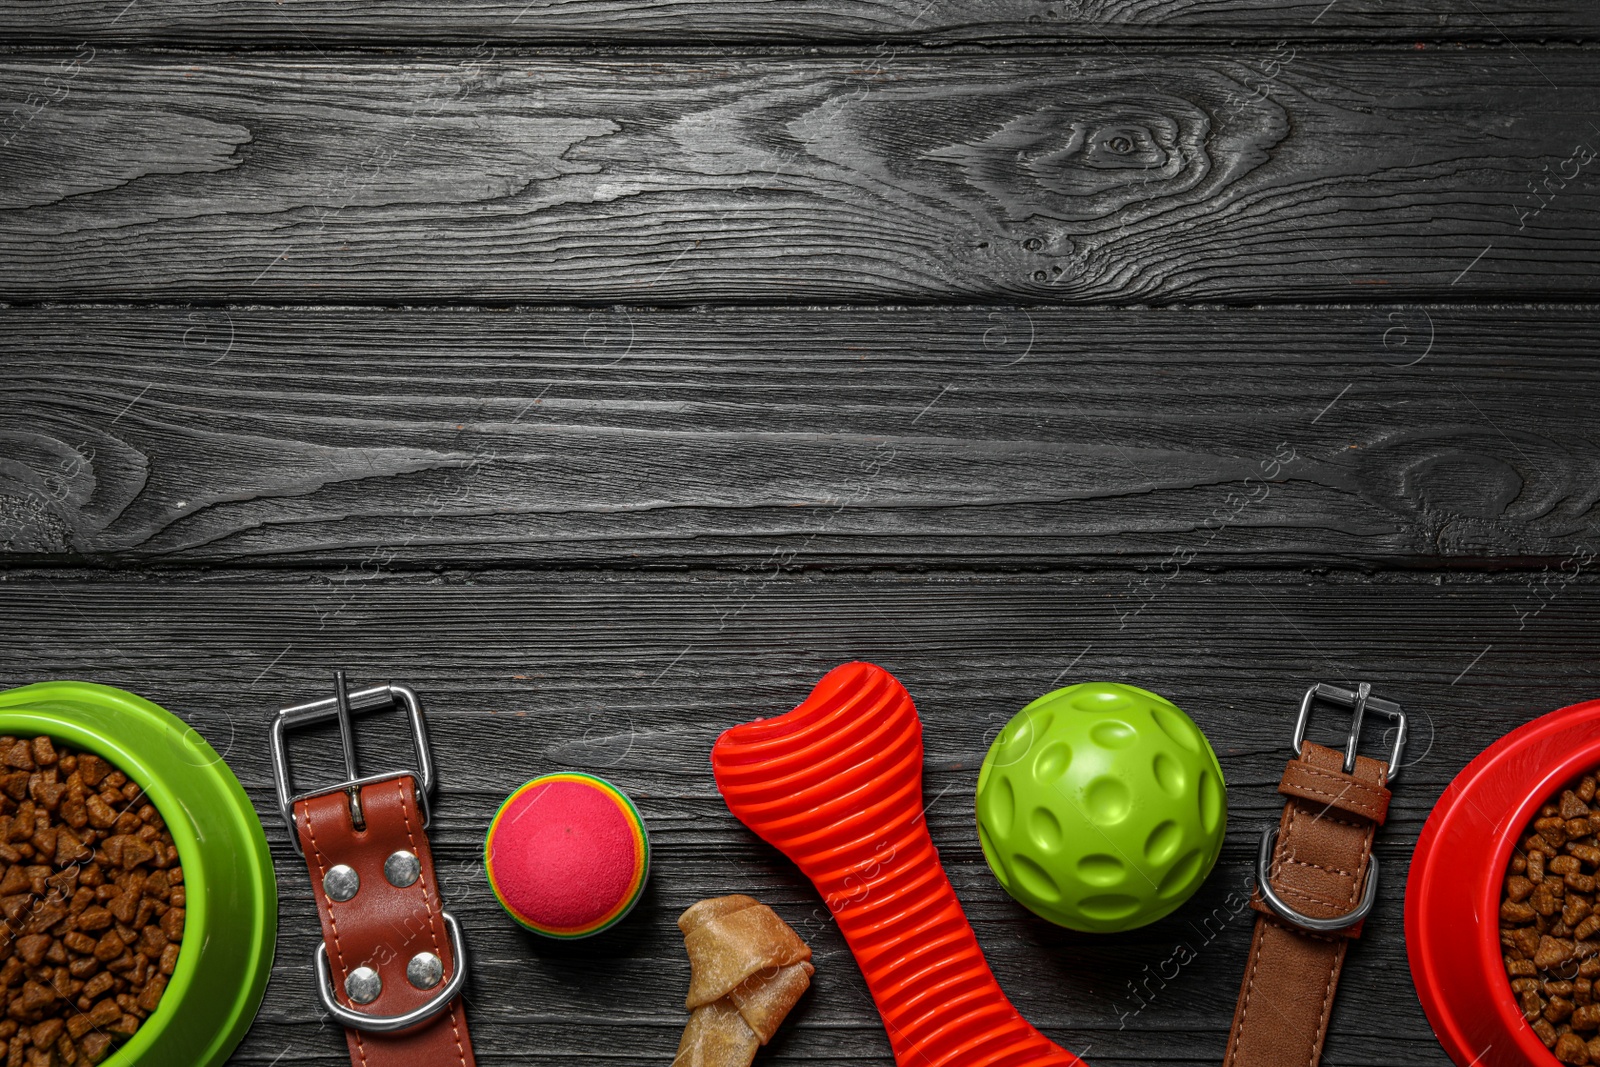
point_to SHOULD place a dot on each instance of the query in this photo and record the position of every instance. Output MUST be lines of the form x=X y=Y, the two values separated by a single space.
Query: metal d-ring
x=1321 y=926
x=389 y=1024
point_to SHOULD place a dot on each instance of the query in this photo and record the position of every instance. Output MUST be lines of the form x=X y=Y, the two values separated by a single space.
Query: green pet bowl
x=231 y=917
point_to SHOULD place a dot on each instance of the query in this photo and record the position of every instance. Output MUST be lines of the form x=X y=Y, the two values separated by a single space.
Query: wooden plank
x=377 y=440
x=633 y=677
x=1134 y=177
x=697 y=23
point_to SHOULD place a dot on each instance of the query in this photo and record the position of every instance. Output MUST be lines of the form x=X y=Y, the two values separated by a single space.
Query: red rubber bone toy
x=836 y=785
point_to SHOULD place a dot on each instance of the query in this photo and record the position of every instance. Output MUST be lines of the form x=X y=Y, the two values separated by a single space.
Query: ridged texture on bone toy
x=836 y=785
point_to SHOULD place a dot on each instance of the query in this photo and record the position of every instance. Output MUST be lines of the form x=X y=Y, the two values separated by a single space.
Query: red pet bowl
x=1453 y=893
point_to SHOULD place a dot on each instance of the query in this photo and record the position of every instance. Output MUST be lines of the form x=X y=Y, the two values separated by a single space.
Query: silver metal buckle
x=1359 y=702
x=389 y=1024
x=344 y=705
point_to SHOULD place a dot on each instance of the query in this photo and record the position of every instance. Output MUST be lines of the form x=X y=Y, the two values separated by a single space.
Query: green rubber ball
x=1101 y=807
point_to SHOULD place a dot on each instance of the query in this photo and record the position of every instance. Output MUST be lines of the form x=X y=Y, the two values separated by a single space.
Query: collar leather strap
x=1319 y=870
x=383 y=926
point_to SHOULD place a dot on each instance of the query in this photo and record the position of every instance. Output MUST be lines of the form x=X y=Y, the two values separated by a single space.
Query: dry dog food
x=92 y=899
x=1549 y=928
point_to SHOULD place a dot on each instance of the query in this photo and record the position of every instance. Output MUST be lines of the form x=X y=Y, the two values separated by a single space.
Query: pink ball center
x=563 y=855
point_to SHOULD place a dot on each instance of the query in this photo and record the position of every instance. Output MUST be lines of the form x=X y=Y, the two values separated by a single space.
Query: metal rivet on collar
x=402 y=869
x=425 y=970
x=341 y=883
x=363 y=985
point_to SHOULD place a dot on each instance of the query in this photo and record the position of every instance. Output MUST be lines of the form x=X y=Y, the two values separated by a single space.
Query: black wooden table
x=610 y=371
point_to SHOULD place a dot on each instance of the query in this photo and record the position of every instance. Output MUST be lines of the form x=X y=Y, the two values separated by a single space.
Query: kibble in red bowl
x=1460 y=878
x=1549 y=923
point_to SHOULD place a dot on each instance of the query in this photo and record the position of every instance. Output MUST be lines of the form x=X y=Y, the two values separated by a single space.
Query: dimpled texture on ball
x=1101 y=807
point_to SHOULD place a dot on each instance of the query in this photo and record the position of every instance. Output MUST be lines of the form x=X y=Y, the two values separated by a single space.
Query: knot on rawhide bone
x=748 y=968
x=836 y=785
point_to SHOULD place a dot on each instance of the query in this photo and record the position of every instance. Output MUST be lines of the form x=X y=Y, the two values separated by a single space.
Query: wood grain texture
x=633 y=677
x=698 y=22
x=1140 y=177
x=769 y=440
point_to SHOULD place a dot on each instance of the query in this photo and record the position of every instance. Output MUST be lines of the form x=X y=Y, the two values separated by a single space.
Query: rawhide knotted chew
x=747 y=970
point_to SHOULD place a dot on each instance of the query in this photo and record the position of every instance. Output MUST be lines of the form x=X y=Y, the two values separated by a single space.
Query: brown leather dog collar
x=1316 y=881
x=392 y=963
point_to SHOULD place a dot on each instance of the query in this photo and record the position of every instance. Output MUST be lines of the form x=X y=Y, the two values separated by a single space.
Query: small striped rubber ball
x=567 y=855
